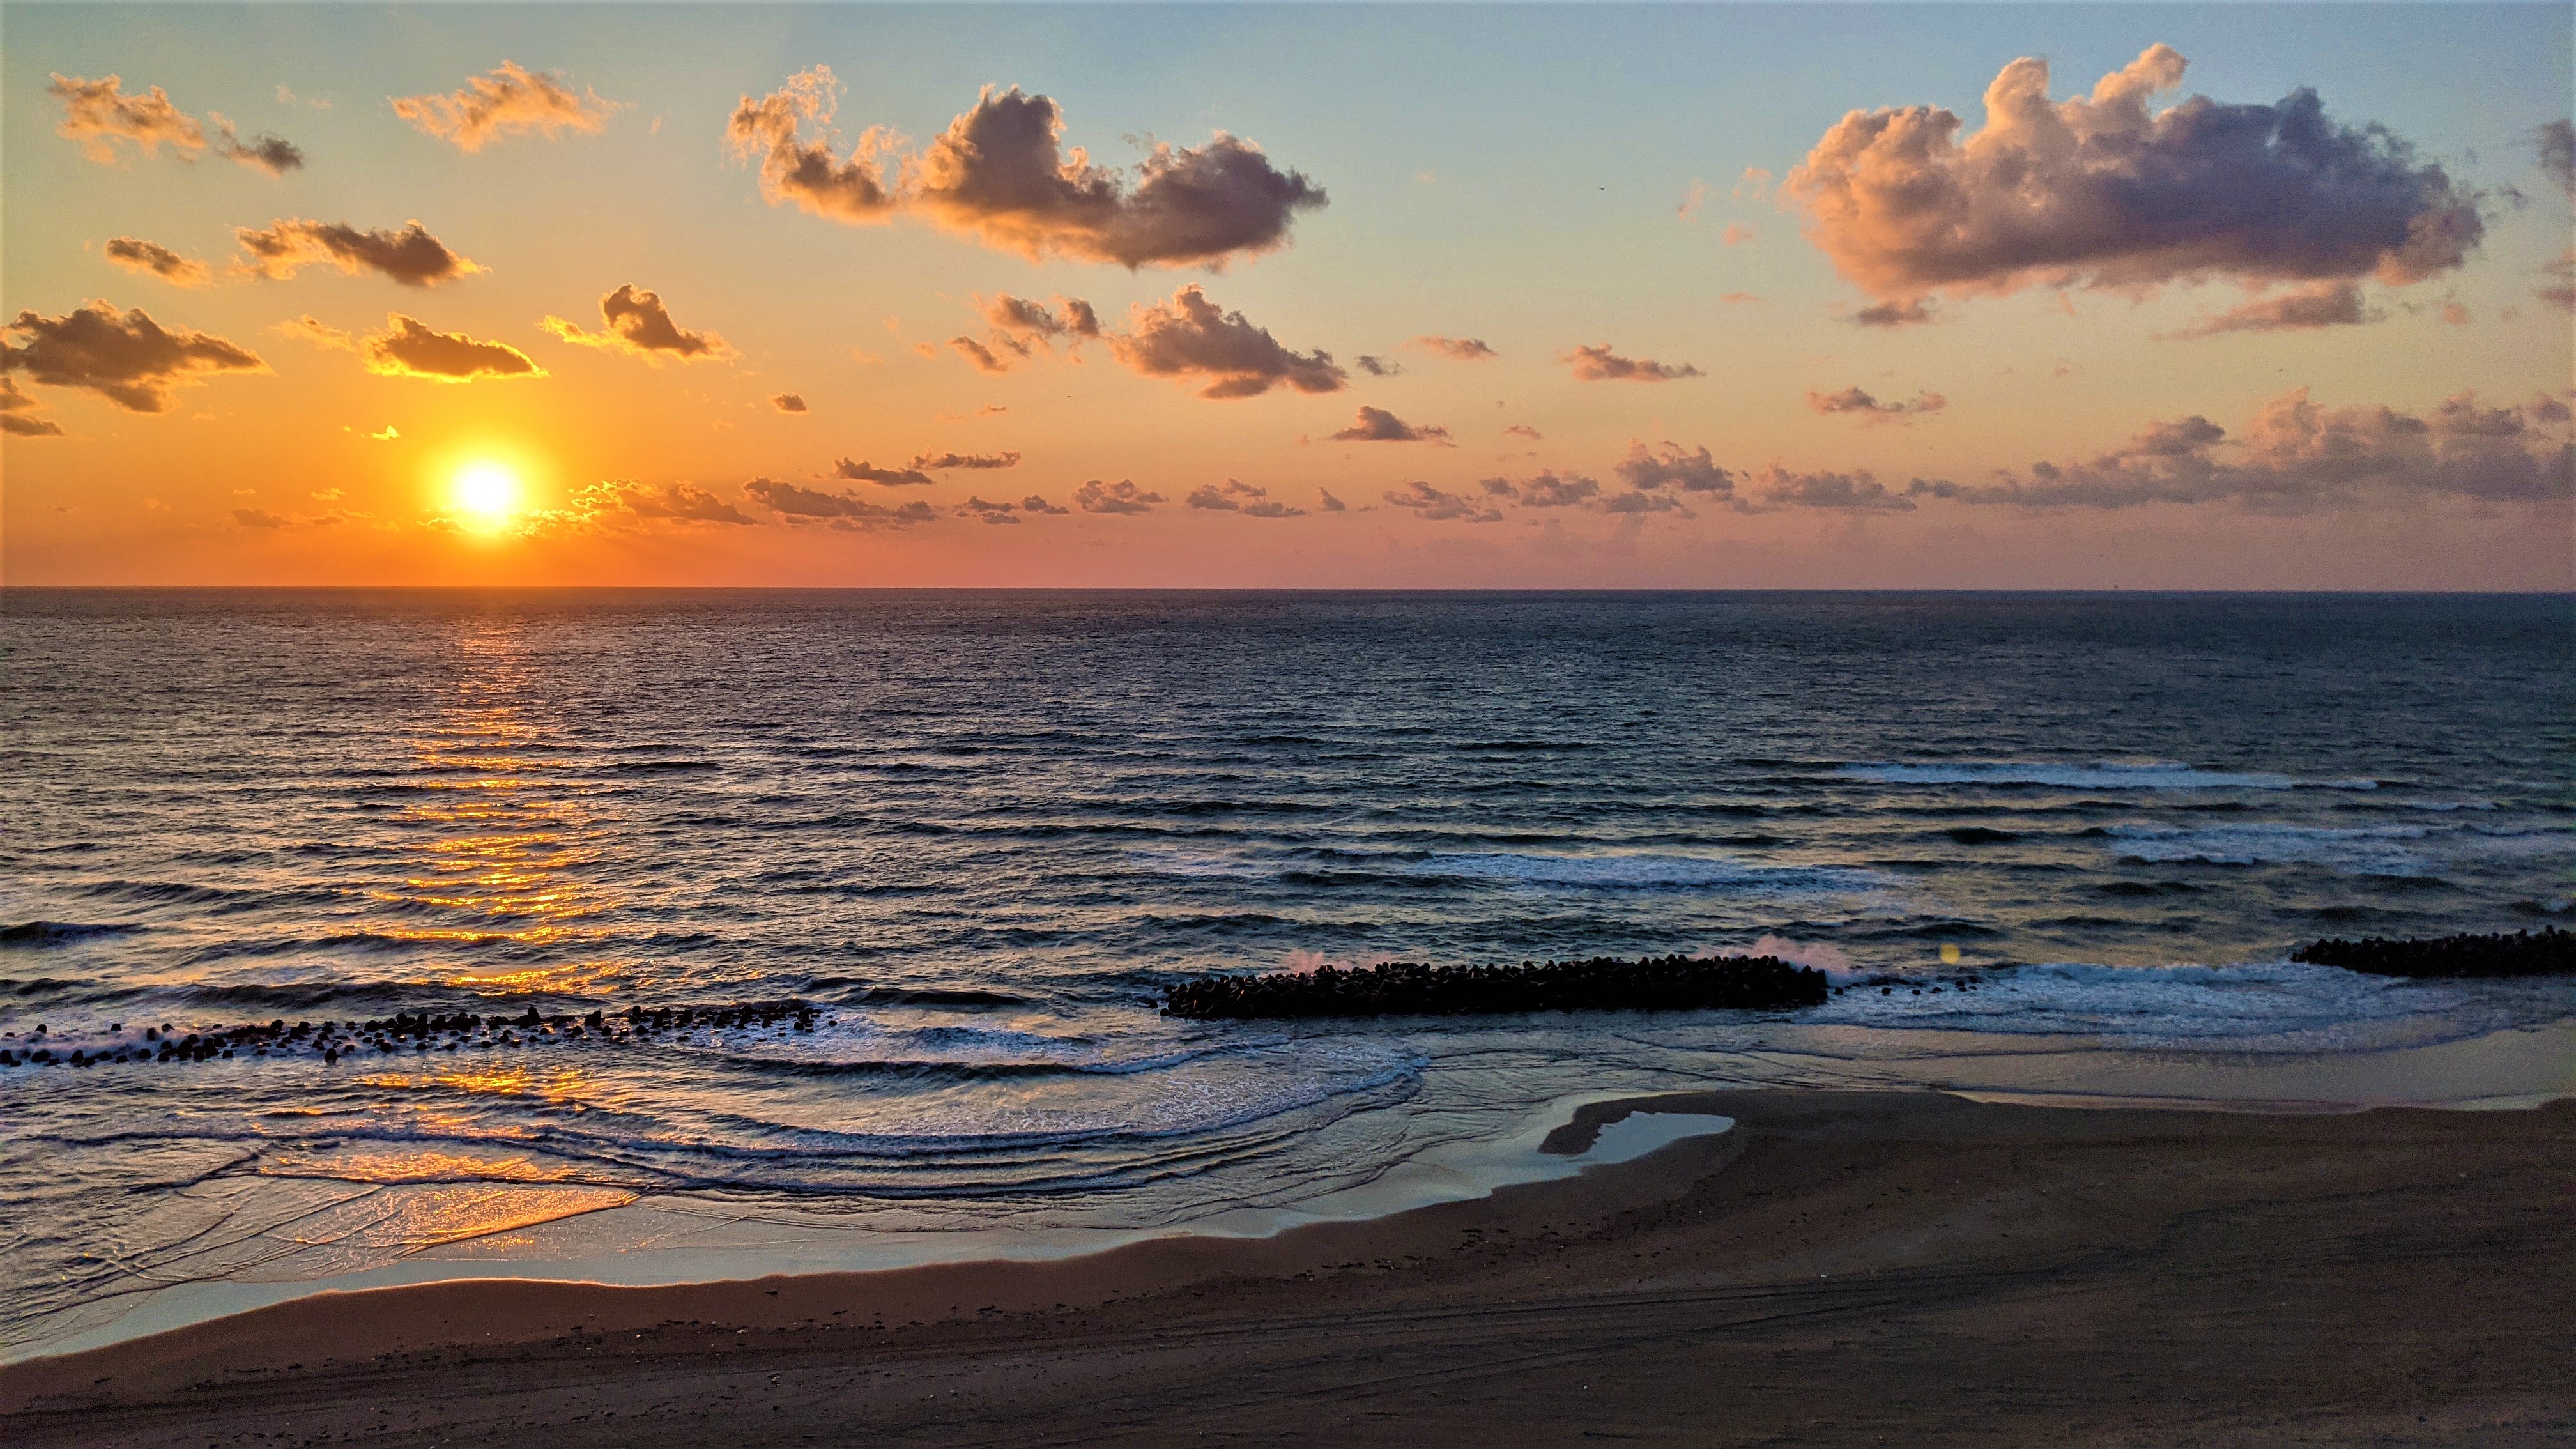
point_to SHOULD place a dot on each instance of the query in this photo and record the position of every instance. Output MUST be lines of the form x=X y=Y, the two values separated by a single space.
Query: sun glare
x=485 y=495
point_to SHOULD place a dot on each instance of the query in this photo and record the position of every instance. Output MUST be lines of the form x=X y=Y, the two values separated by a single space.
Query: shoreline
x=2011 y=1271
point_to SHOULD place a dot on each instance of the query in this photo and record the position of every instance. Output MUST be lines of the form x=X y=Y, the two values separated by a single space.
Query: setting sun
x=485 y=495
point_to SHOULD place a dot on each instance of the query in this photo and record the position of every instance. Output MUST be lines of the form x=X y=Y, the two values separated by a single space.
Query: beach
x=1837 y=1267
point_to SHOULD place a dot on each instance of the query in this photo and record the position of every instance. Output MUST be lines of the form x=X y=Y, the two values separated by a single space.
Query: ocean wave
x=2172 y=1005
x=1642 y=873
x=61 y=933
x=2095 y=775
x=2364 y=850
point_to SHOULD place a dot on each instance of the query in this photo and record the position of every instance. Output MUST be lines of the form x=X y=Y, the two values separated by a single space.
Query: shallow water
x=984 y=830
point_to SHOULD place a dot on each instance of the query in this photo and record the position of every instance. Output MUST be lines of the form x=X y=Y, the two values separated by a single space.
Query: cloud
x=1325 y=501
x=98 y=113
x=1694 y=196
x=640 y=326
x=1000 y=173
x=978 y=508
x=153 y=259
x=1547 y=490
x=1190 y=337
x=2101 y=192
x=259 y=518
x=863 y=472
x=972 y=462
x=1034 y=504
x=788 y=402
x=2320 y=304
x=1523 y=430
x=2556 y=142
x=1894 y=314
x=1021 y=328
x=841 y=510
x=1119 y=497
x=1852 y=400
x=1692 y=472
x=17 y=413
x=1853 y=492
x=1456 y=349
x=132 y=361
x=2297 y=456
x=411 y=257
x=510 y=101
x=1738 y=299
x=1599 y=364
x=407 y=348
x=1439 y=506
x=804 y=173
x=2562 y=292
x=673 y=502
x=1735 y=236
x=1377 y=425
x=983 y=357
x=1379 y=366
x=1233 y=496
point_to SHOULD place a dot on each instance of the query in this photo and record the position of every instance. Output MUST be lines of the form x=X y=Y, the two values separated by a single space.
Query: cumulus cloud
x=972 y=462
x=1377 y=425
x=864 y=472
x=1547 y=490
x=132 y=361
x=1019 y=328
x=98 y=113
x=1692 y=471
x=1894 y=314
x=671 y=502
x=2320 y=304
x=1599 y=364
x=840 y=510
x=18 y=413
x=978 y=508
x=2556 y=143
x=1852 y=400
x=1854 y=492
x=2297 y=456
x=411 y=256
x=1325 y=501
x=1233 y=496
x=155 y=260
x=1191 y=338
x=510 y=101
x=984 y=358
x=1035 y=504
x=1438 y=505
x=788 y=402
x=1001 y=174
x=409 y=348
x=1119 y=497
x=2102 y=191
x=1379 y=366
x=1456 y=349
x=638 y=325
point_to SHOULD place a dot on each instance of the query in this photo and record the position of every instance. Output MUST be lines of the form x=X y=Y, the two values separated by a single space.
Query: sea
x=980 y=833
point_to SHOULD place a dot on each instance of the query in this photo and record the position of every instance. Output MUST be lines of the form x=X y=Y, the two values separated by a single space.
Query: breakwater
x=1404 y=988
x=2547 y=952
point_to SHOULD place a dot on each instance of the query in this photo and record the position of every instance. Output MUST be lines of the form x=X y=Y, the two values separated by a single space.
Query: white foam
x=2364 y=850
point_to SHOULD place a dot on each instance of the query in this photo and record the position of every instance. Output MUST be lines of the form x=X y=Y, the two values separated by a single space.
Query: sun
x=485 y=495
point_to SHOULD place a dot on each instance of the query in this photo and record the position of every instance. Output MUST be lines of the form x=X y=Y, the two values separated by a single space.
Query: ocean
x=980 y=832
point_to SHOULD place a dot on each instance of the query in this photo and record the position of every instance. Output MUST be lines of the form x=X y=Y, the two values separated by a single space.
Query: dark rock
x=2551 y=952
x=1403 y=988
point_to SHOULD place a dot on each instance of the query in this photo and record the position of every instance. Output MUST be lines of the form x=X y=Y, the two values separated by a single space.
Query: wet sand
x=1842 y=1268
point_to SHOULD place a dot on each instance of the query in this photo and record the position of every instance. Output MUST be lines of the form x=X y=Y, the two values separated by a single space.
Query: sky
x=1596 y=296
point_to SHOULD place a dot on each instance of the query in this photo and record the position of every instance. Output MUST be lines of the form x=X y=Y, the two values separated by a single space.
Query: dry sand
x=1899 y=1268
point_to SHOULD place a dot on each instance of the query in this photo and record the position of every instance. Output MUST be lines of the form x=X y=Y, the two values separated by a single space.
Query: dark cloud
x=1853 y=401
x=863 y=472
x=1914 y=313
x=805 y=173
x=98 y=113
x=132 y=361
x=1035 y=504
x=1634 y=503
x=510 y=101
x=788 y=402
x=1233 y=496
x=2556 y=143
x=1000 y=173
x=971 y=462
x=1119 y=497
x=640 y=326
x=2100 y=191
x=153 y=259
x=1853 y=492
x=1692 y=472
x=17 y=413
x=1547 y=490
x=1020 y=328
x=984 y=358
x=2297 y=456
x=1379 y=366
x=1439 y=506
x=1457 y=349
x=2321 y=304
x=1377 y=425
x=1190 y=337
x=977 y=508
x=411 y=256
x=841 y=510
x=1326 y=502
x=1599 y=364
x=672 y=502
x=407 y=348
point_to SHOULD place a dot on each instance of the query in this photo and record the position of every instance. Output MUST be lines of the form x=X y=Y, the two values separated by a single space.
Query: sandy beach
x=1839 y=1268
